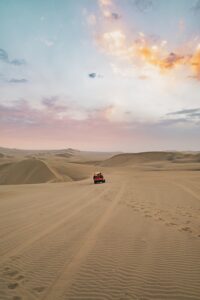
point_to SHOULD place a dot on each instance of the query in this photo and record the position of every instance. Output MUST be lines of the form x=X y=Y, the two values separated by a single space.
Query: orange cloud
x=141 y=48
x=195 y=62
x=116 y=43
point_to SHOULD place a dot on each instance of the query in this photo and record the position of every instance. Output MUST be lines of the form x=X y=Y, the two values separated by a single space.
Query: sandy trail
x=135 y=237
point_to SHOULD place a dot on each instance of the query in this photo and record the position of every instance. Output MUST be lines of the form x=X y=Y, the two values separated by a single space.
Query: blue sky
x=100 y=75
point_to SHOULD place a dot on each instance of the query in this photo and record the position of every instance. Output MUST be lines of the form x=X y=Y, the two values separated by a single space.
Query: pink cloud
x=26 y=127
x=22 y=126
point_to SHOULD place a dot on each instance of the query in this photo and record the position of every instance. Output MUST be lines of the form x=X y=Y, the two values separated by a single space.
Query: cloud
x=4 y=57
x=196 y=6
x=111 y=15
x=52 y=104
x=190 y=116
x=46 y=127
x=143 y=77
x=48 y=43
x=18 y=62
x=143 y=5
x=107 y=9
x=190 y=112
x=139 y=49
x=47 y=123
x=91 y=19
x=105 y=2
x=172 y=122
x=14 y=80
x=18 y=113
x=195 y=62
x=92 y=75
x=172 y=59
x=115 y=16
x=50 y=112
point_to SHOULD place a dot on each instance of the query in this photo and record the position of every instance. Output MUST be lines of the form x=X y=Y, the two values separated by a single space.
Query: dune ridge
x=34 y=170
x=129 y=159
x=73 y=165
x=27 y=171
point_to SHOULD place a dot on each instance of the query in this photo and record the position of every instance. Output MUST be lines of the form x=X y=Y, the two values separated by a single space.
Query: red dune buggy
x=98 y=178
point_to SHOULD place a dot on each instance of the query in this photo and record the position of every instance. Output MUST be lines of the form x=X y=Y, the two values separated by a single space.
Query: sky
x=106 y=75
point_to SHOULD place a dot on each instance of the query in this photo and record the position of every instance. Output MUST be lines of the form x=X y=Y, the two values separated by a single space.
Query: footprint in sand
x=17 y=298
x=11 y=273
x=13 y=285
x=147 y=216
x=188 y=229
x=20 y=277
x=170 y=224
x=39 y=289
x=135 y=209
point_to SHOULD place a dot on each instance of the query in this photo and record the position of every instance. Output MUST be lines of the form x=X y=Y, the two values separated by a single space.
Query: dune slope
x=26 y=171
x=32 y=170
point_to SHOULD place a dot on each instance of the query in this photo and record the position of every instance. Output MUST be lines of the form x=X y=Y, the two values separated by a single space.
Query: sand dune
x=26 y=171
x=130 y=159
x=33 y=166
x=135 y=237
x=30 y=171
x=64 y=166
x=72 y=155
x=131 y=238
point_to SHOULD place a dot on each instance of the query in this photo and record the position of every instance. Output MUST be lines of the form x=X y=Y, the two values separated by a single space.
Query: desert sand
x=135 y=237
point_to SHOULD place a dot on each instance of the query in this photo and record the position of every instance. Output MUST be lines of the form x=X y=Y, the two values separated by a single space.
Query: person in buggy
x=98 y=178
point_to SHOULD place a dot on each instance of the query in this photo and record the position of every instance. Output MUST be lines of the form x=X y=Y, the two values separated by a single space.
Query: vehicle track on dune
x=187 y=189
x=111 y=241
x=65 y=278
x=51 y=228
x=54 y=206
x=135 y=257
x=30 y=269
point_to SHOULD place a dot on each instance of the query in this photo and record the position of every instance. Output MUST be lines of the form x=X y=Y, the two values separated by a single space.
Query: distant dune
x=66 y=155
x=129 y=159
x=72 y=165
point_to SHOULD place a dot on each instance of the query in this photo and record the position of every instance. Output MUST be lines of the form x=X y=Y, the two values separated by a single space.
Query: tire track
x=55 y=226
x=59 y=204
x=186 y=189
x=61 y=284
